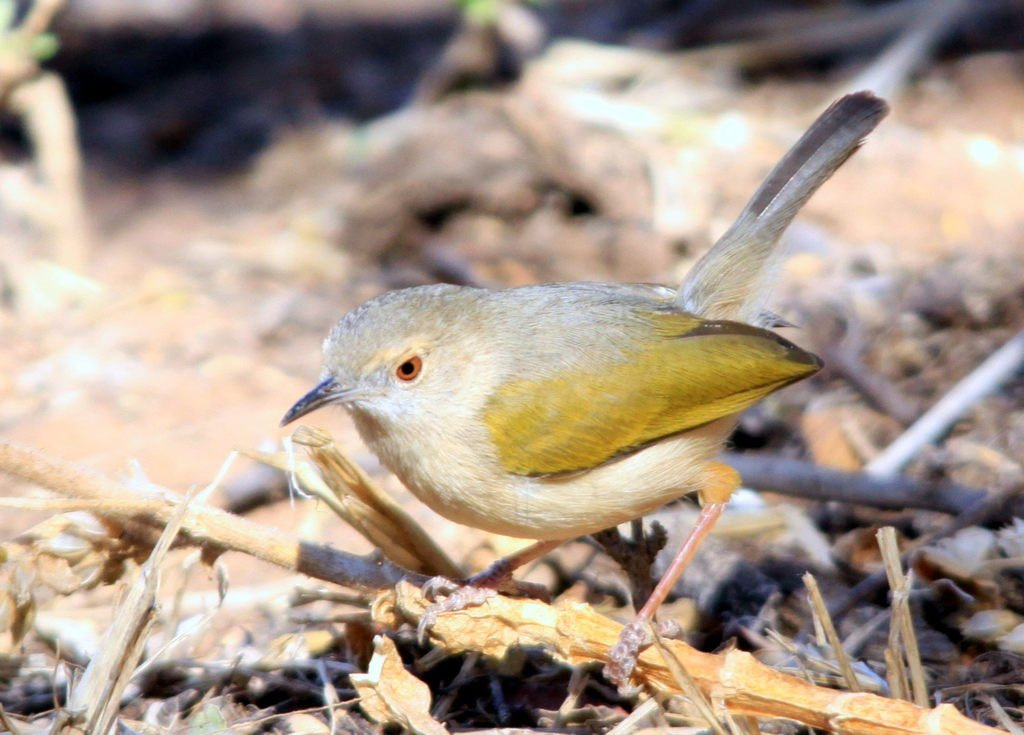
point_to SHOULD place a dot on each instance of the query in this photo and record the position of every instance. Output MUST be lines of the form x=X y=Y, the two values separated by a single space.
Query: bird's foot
x=449 y=595
x=456 y=598
x=622 y=657
x=634 y=638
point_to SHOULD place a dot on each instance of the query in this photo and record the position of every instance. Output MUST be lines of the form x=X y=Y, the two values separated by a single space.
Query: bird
x=556 y=410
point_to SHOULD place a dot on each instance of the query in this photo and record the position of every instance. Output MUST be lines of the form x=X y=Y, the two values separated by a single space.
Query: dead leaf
x=391 y=695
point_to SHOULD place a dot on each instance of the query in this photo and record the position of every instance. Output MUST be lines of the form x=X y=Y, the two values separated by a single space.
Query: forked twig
x=735 y=680
x=211 y=528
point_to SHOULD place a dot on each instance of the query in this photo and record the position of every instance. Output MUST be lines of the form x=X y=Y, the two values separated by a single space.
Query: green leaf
x=7 y=9
x=481 y=12
x=44 y=46
x=207 y=721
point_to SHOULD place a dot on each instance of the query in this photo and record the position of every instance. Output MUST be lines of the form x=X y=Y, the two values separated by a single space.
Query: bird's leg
x=474 y=591
x=499 y=575
x=718 y=484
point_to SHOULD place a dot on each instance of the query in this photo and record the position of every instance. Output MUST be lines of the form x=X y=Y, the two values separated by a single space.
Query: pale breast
x=477 y=494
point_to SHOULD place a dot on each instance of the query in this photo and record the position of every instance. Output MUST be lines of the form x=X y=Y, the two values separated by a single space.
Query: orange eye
x=410 y=369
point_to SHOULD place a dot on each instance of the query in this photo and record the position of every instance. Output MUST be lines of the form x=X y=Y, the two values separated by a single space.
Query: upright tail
x=732 y=280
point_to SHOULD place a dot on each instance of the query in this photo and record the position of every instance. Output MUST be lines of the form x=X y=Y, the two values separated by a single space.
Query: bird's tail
x=732 y=280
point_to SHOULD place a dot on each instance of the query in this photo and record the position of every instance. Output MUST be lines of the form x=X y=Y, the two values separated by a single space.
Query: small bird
x=556 y=410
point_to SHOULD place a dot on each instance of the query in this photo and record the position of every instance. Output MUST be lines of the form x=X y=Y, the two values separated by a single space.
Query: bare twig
x=40 y=16
x=40 y=99
x=938 y=420
x=890 y=71
x=844 y=360
x=698 y=698
x=577 y=635
x=902 y=638
x=805 y=480
x=93 y=703
x=984 y=508
x=636 y=555
x=348 y=478
x=828 y=628
x=211 y=528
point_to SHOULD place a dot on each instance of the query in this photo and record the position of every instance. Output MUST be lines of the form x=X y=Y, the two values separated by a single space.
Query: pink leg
x=476 y=590
x=720 y=481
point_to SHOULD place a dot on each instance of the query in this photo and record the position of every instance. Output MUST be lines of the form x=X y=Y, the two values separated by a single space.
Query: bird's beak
x=328 y=391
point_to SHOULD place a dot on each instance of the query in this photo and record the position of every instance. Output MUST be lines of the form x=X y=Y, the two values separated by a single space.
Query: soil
x=249 y=185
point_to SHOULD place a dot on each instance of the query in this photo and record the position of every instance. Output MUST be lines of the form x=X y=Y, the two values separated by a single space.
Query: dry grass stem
x=208 y=527
x=40 y=99
x=828 y=628
x=575 y=634
x=374 y=527
x=342 y=474
x=95 y=700
x=896 y=673
x=49 y=119
x=648 y=709
x=686 y=683
x=902 y=638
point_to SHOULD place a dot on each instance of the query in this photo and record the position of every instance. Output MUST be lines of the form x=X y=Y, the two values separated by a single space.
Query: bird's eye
x=410 y=369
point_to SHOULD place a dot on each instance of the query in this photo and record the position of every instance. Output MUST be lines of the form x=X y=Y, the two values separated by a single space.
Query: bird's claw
x=622 y=658
x=438 y=587
x=459 y=598
x=448 y=595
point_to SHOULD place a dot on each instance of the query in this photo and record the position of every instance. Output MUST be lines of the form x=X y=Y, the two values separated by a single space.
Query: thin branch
x=577 y=635
x=844 y=360
x=939 y=419
x=203 y=525
x=40 y=16
x=806 y=480
x=989 y=506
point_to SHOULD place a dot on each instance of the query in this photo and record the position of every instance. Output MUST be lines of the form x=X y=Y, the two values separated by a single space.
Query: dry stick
x=829 y=630
x=39 y=16
x=93 y=703
x=982 y=381
x=806 y=480
x=887 y=397
x=896 y=674
x=888 y=73
x=205 y=526
x=830 y=35
x=334 y=463
x=687 y=684
x=649 y=708
x=902 y=637
x=49 y=120
x=991 y=506
x=374 y=527
x=577 y=635
x=938 y=420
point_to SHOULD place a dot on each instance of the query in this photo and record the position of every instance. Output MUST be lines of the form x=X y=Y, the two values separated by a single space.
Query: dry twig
x=213 y=529
x=983 y=509
x=828 y=629
x=576 y=635
x=903 y=650
x=938 y=420
x=94 y=702
x=810 y=481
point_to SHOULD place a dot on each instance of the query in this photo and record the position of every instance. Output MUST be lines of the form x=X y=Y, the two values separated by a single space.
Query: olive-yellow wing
x=685 y=373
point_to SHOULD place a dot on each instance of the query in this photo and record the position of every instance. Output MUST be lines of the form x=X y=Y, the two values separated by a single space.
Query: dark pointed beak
x=326 y=392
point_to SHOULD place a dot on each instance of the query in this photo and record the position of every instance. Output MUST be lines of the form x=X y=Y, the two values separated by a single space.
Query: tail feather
x=731 y=280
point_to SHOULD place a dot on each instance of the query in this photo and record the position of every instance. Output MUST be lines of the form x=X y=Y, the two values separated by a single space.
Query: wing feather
x=687 y=372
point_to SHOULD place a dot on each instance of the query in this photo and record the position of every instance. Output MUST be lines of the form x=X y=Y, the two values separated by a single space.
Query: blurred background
x=193 y=191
